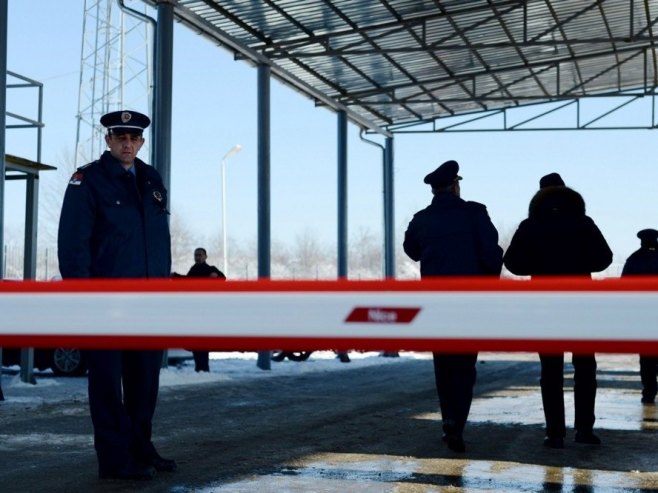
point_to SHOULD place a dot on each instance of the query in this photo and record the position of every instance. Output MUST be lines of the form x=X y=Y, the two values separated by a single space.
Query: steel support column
x=342 y=240
x=263 y=171
x=264 y=357
x=389 y=212
x=30 y=261
x=162 y=92
x=163 y=55
x=3 y=126
x=31 y=219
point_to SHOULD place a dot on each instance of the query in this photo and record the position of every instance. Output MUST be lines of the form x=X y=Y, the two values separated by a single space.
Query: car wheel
x=299 y=355
x=68 y=362
x=278 y=355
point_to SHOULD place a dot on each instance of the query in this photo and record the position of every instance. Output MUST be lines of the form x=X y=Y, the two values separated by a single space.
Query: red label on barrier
x=382 y=315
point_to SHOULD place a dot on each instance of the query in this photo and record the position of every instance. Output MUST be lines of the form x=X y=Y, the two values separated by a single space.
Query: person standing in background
x=645 y=262
x=202 y=269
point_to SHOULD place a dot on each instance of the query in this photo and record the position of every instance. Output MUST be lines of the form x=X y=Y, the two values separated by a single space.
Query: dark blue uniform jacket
x=113 y=224
x=453 y=237
x=204 y=270
x=641 y=262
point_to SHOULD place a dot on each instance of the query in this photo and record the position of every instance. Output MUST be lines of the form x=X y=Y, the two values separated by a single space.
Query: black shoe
x=343 y=358
x=553 y=442
x=587 y=438
x=649 y=401
x=136 y=472
x=163 y=465
x=456 y=444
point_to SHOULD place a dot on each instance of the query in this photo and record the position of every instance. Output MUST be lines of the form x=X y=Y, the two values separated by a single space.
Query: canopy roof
x=22 y=165
x=392 y=64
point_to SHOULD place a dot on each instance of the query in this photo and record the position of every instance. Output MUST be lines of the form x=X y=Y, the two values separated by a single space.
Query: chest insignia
x=157 y=196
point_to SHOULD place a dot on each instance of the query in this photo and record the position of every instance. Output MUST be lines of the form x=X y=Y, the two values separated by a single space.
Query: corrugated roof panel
x=393 y=61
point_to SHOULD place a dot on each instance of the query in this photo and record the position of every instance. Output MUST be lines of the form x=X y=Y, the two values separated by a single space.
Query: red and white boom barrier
x=466 y=314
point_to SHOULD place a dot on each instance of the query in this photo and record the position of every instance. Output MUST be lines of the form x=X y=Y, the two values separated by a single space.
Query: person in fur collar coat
x=559 y=239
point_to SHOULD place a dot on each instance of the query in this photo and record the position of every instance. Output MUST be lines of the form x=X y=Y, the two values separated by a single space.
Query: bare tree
x=405 y=267
x=308 y=259
x=505 y=234
x=243 y=260
x=182 y=245
x=366 y=255
x=51 y=197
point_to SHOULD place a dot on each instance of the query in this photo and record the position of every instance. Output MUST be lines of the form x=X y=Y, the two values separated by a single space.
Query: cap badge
x=125 y=117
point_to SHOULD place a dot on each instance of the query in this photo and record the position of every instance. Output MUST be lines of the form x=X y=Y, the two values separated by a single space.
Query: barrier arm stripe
x=451 y=315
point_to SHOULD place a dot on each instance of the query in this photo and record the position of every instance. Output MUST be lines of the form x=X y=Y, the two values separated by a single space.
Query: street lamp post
x=232 y=151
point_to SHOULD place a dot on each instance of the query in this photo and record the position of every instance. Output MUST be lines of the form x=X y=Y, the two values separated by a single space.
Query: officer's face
x=124 y=147
x=199 y=256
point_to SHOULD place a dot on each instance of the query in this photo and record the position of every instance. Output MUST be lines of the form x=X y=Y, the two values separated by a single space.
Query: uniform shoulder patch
x=76 y=179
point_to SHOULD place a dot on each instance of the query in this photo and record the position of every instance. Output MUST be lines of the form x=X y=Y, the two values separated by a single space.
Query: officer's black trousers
x=648 y=376
x=455 y=378
x=123 y=390
x=552 y=393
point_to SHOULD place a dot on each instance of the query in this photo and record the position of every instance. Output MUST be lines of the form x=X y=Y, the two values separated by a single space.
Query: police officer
x=645 y=262
x=201 y=268
x=453 y=237
x=114 y=224
x=558 y=238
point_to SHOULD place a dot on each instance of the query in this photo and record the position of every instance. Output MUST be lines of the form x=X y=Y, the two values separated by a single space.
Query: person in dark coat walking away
x=202 y=269
x=453 y=237
x=558 y=238
x=114 y=224
x=645 y=262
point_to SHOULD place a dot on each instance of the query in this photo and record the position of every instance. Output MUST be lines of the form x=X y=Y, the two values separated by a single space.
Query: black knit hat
x=551 y=180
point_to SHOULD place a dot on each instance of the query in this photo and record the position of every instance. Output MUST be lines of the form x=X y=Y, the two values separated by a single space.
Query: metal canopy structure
x=20 y=168
x=393 y=65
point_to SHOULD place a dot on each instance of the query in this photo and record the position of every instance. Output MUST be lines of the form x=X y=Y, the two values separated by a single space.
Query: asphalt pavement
x=369 y=428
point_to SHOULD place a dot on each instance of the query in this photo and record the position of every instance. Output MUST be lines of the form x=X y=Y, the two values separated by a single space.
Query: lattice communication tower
x=115 y=70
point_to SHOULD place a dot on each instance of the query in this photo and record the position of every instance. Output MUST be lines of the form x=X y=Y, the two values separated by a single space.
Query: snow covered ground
x=224 y=366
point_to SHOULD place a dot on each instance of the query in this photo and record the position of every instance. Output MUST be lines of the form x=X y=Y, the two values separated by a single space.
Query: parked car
x=176 y=357
x=63 y=361
x=71 y=362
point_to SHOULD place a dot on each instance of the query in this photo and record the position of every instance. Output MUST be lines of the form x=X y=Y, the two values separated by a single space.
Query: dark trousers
x=455 y=378
x=552 y=392
x=648 y=376
x=201 y=360
x=123 y=390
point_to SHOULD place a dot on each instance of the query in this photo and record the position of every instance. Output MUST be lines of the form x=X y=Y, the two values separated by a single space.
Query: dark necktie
x=131 y=179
